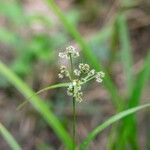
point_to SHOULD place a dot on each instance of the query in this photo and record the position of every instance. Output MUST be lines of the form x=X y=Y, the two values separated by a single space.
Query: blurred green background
x=111 y=35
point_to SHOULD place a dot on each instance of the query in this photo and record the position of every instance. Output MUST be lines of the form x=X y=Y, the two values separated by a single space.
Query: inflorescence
x=77 y=76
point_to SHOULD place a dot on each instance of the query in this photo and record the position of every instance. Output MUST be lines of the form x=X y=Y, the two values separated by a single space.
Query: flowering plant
x=77 y=76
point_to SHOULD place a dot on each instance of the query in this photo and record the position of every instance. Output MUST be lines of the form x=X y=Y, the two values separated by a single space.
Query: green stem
x=73 y=107
x=71 y=65
x=74 y=122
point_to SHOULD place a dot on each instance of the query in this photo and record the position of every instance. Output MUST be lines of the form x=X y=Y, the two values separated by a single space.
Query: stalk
x=73 y=107
x=74 y=122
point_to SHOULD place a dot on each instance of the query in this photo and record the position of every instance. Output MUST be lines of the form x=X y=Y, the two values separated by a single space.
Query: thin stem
x=73 y=107
x=90 y=78
x=71 y=65
x=74 y=122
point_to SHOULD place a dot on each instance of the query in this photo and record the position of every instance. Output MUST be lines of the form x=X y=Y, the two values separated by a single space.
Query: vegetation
x=35 y=51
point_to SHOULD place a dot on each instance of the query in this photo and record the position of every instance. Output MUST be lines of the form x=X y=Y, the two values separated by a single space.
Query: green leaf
x=130 y=122
x=43 y=90
x=126 y=51
x=140 y=82
x=12 y=11
x=8 y=37
x=9 y=138
x=39 y=105
x=109 y=122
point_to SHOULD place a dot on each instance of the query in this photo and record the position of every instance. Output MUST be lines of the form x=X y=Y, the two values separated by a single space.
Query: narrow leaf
x=126 y=51
x=109 y=122
x=130 y=122
x=43 y=90
x=9 y=138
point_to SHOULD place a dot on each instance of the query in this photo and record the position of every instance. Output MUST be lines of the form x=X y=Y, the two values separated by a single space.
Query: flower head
x=78 y=76
x=69 y=52
x=77 y=72
x=99 y=76
x=84 y=67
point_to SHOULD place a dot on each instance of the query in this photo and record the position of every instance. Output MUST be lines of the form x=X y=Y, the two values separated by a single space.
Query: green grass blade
x=38 y=104
x=126 y=57
x=130 y=122
x=43 y=90
x=140 y=82
x=109 y=122
x=126 y=51
x=52 y=87
x=101 y=35
x=9 y=138
x=88 y=54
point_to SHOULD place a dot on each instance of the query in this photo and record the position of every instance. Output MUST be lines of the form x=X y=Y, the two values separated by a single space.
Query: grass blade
x=39 y=105
x=9 y=138
x=52 y=87
x=109 y=122
x=43 y=90
x=126 y=51
x=130 y=122
x=140 y=82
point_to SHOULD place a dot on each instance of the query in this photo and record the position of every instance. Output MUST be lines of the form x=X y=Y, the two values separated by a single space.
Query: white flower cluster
x=83 y=69
x=69 y=52
x=80 y=75
x=74 y=89
x=86 y=74
x=99 y=76
x=63 y=72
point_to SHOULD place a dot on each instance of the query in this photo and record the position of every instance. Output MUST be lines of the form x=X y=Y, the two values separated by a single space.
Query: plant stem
x=71 y=65
x=74 y=122
x=73 y=108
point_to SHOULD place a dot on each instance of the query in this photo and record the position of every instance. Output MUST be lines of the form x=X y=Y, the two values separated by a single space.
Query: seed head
x=60 y=75
x=99 y=76
x=84 y=68
x=77 y=72
x=80 y=76
x=91 y=73
x=69 y=52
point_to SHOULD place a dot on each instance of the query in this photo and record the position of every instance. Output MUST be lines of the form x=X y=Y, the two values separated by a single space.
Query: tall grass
x=9 y=138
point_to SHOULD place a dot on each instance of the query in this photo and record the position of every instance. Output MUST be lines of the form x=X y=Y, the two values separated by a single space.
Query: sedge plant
x=46 y=113
x=77 y=77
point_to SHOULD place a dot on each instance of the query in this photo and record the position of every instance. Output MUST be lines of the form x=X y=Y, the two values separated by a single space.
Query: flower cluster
x=63 y=72
x=74 y=89
x=70 y=52
x=80 y=75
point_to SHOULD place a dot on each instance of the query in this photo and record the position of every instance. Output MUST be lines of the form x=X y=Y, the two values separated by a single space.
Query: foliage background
x=111 y=35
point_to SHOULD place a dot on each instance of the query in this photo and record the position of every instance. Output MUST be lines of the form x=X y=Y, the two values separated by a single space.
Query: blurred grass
x=108 y=122
x=134 y=86
x=9 y=138
x=130 y=124
x=38 y=104
x=126 y=51
x=117 y=32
